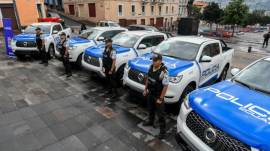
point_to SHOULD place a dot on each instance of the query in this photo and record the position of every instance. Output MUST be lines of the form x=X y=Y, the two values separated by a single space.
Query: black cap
x=63 y=34
x=156 y=57
x=108 y=40
x=38 y=28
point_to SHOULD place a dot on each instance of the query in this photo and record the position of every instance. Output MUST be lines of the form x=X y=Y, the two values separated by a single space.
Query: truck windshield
x=125 y=40
x=90 y=34
x=32 y=29
x=251 y=79
x=178 y=49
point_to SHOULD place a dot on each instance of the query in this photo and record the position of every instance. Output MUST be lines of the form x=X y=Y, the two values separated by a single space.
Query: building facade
x=159 y=13
x=22 y=12
x=183 y=8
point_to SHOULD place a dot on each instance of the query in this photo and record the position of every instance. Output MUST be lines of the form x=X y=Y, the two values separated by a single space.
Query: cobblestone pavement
x=42 y=110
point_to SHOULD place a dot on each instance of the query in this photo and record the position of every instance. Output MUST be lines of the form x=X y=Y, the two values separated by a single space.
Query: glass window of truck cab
x=178 y=49
x=211 y=50
x=110 y=34
x=250 y=78
x=126 y=39
x=57 y=28
x=90 y=34
x=151 y=41
x=31 y=29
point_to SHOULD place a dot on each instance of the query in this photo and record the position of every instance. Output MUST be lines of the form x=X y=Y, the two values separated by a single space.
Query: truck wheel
x=186 y=91
x=223 y=74
x=51 y=52
x=79 y=61
x=119 y=75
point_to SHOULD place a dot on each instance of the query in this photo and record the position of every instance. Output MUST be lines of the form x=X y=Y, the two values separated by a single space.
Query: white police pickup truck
x=88 y=38
x=25 y=43
x=232 y=115
x=191 y=61
x=128 y=45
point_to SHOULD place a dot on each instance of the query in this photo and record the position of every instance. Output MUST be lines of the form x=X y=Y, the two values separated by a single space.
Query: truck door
x=209 y=70
x=55 y=33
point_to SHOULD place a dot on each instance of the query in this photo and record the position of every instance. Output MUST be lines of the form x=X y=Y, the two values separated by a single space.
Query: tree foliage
x=235 y=13
x=212 y=13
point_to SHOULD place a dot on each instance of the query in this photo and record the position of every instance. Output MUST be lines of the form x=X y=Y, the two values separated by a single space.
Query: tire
x=79 y=61
x=186 y=91
x=119 y=75
x=223 y=74
x=51 y=52
x=20 y=57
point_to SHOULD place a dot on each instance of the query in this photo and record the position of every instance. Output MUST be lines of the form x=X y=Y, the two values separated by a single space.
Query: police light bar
x=51 y=19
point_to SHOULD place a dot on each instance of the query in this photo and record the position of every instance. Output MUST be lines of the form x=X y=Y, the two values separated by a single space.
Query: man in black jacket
x=41 y=46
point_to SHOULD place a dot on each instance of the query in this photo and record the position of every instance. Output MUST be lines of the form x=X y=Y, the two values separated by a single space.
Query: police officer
x=41 y=47
x=63 y=49
x=109 y=59
x=156 y=85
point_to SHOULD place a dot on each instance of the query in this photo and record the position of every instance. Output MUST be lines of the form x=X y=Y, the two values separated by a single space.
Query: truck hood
x=78 y=41
x=237 y=110
x=96 y=51
x=26 y=37
x=173 y=65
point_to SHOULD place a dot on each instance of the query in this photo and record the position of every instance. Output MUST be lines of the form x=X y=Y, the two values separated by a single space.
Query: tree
x=235 y=13
x=196 y=12
x=212 y=14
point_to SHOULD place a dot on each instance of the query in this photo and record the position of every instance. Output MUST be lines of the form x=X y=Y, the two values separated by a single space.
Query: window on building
x=172 y=9
x=92 y=9
x=159 y=10
x=143 y=9
x=120 y=10
x=152 y=9
x=133 y=10
x=167 y=9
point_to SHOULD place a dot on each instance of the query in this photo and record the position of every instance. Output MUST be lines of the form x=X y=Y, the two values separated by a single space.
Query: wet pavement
x=40 y=109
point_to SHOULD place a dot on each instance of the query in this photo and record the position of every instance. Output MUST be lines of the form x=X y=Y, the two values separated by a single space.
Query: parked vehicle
x=230 y=115
x=88 y=38
x=107 y=24
x=191 y=61
x=25 y=43
x=128 y=45
x=141 y=27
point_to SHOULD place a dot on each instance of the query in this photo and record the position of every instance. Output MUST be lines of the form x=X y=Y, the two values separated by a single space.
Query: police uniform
x=156 y=82
x=107 y=58
x=62 y=46
x=41 y=48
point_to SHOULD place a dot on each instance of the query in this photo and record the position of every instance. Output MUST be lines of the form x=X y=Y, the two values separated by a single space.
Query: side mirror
x=55 y=32
x=142 y=46
x=206 y=59
x=234 y=71
x=100 y=39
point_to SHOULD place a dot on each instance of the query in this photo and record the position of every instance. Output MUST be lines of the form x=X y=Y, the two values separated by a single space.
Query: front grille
x=26 y=44
x=223 y=141
x=137 y=76
x=92 y=60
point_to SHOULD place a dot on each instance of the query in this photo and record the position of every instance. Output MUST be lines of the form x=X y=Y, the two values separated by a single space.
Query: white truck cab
x=128 y=45
x=25 y=43
x=191 y=61
x=88 y=38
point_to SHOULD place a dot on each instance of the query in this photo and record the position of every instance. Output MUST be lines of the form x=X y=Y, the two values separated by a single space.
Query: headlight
x=72 y=47
x=127 y=67
x=254 y=149
x=186 y=102
x=176 y=79
x=13 y=42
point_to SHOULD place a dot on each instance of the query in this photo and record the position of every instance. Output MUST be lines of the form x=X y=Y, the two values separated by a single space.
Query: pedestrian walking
x=266 y=39
x=83 y=27
x=109 y=59
x=41 y=47
x=63 y=49
x=156 y=85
